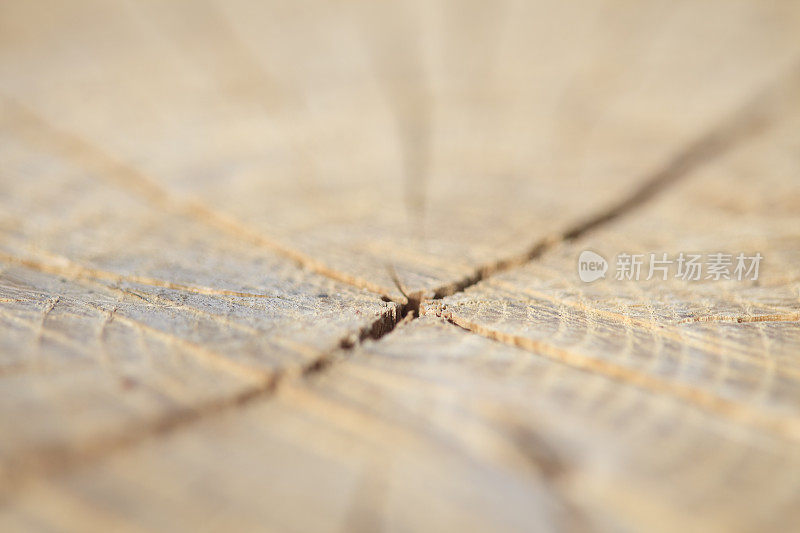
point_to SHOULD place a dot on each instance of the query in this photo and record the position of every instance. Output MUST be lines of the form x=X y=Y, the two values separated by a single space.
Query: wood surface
x=312 y=266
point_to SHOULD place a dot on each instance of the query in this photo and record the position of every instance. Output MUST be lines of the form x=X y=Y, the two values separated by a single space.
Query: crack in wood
x=759 y=113
x=780 y=317
x=106 y=167
x=744 y=124
x=786 y=427
x=61 y=266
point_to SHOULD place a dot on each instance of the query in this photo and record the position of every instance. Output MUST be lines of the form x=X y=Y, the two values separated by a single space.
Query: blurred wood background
x=312 y=266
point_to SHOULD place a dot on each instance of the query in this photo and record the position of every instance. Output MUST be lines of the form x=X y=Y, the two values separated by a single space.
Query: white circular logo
x=591 y=266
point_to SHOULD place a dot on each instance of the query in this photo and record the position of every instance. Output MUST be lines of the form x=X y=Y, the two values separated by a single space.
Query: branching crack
x=743 y=125
x=753 y=118
x=783 y=426
x=57 y=459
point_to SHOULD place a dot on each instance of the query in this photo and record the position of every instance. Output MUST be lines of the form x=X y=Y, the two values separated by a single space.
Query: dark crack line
x=56 y=460
x=107 y=167
x=753 y=118
x=756 y=116
x=785 y=427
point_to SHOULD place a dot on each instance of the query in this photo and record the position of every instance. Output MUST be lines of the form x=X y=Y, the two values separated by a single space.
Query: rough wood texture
x=219 y=224
x=184 y=321
x=728 y=346
x=431 y=137
x=433 y=428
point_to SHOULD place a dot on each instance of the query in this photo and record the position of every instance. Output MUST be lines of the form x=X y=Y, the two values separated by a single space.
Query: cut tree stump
x=313 y=266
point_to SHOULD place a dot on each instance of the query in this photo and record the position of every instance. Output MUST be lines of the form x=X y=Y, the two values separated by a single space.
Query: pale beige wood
x=118 y=319
x=727 y=346
x=432 y=428
x=655 y=406
x=429 y=137
x=206 y=207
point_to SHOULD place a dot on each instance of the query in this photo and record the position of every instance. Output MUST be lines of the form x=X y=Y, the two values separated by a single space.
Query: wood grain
x=221 y=222
x=428 y=137
x=728 y=345
x=119 y=318
x=437 y=429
